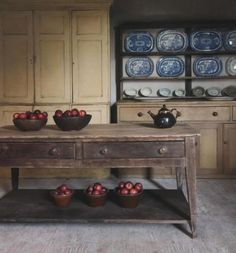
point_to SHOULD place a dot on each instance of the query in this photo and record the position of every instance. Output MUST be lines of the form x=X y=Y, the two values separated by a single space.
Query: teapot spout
x=151 y=114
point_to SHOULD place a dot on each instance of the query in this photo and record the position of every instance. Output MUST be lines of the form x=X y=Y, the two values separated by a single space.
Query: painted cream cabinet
x=216 y=122
x=55 y=55
x=55 y=58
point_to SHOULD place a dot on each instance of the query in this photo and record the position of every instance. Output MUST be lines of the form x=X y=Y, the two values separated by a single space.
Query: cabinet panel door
x=230 y=149
x=90 y=56
x=52 y=67
x=210 y=148
x=100 y=113
x=16 y=57
x=6 y=113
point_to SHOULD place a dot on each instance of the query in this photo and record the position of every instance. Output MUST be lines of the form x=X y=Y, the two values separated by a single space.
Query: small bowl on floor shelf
x=29 y=124
x=62 y=196
x=72 y=123
x=96 y=195
x=129 y=200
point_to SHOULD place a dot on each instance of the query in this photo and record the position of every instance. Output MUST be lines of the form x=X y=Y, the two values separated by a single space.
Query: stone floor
x=216 y=226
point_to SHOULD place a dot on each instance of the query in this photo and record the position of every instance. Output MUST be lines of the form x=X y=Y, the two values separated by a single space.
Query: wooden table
x=113 y=145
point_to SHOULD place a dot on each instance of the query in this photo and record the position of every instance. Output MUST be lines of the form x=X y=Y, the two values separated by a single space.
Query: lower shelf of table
x=155 y=206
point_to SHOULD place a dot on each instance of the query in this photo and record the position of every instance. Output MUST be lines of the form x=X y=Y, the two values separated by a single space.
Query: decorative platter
x=230 y=66
x=130 y=92
x=198 y=91
x=139 y=42
x=179 y=92
x=170 y=66
x=172 y=41
x=207 y=66
x=145 y=92
x=229 y=91
x=139 y=67
x=230 y=41
x=205 y=41
x=213 y=91
x=164 y=92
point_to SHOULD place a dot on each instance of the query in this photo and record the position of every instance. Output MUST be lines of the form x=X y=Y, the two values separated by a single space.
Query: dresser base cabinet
x=109 y=145
x=215 y=120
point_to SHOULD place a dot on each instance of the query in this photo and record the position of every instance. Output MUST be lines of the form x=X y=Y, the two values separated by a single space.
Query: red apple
x=16 y=115
x=96 y=192
x=58 y=113
x=97 y=187
x=33 y=116
x=22 y=115
x=128 y=185
x=66 y=113
x=90 y=189
x=40 y=116
x=37 y=111
x=104 y=189
x=124 y=191
x=45 y=114
x=74 y=112
x=67 y=192
x=28 y=113
x=133 y=191
x=121 y=185
x=138 y=186
x=63 y=188
x=82 y=113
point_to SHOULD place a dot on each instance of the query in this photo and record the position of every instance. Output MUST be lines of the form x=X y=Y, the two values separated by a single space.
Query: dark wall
x=149 y=10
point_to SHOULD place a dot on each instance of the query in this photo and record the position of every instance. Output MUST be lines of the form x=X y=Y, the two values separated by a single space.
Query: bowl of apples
x=30 y=121
x=128 y=194
x=62 y=195
x=96 y=195
x=71 y=119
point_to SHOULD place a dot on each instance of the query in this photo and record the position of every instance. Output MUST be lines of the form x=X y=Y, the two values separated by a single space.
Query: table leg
x=191 y=165
x=179 y=178
x=15 y=178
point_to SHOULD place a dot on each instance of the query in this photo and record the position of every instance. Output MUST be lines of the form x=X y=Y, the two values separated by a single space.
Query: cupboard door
x=90 y=56
x=16 y=57
x=100 y=113
x=210 y=148
x=230 y=149
x=6 y=113
x=52 y=48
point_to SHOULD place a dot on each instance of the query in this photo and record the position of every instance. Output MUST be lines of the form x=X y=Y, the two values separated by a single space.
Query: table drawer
x=196 y=113
x=133 y=150
x=37 y=151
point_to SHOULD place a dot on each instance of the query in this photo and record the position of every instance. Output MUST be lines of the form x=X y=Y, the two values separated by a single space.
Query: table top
x=103 y=131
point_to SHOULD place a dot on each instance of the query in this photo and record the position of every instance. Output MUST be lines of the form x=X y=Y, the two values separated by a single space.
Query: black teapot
x=165 y=118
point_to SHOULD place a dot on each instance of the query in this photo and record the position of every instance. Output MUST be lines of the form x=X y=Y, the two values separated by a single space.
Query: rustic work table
x=113 y=145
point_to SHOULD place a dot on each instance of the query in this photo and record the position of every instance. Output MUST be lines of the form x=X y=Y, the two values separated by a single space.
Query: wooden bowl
x=96 y=200
x=29 y=124
x=61 y=200
x=72 y=123
x=128 y=201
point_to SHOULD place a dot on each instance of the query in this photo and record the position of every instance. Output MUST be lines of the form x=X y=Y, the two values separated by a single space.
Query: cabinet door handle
x=163 y=150
x=215 y=114
x=103 y=151
x=53 y=151
x=140 y=114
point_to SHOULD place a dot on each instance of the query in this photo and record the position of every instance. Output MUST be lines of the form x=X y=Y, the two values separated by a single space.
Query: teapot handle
x=178 y=113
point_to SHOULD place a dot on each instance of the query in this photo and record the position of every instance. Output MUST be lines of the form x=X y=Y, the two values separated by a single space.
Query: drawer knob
x=163 y=150
x=140 y=114
x=215 y=114
x=53 y=151
x=103 y=151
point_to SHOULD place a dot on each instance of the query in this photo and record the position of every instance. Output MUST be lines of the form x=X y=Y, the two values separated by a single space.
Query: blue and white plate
x=172 y=41
x=230 y=41
x=139 y=42
x=139 y=67
x=230 y=66
x=205 y=41
x=170 y=66
x=207 y=66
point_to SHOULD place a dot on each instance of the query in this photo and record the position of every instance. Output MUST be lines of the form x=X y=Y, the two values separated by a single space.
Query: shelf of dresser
x=177 y=78
x=167 y=206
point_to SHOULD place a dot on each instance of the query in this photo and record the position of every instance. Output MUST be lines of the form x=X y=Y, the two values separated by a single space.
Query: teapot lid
x=164 y=109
